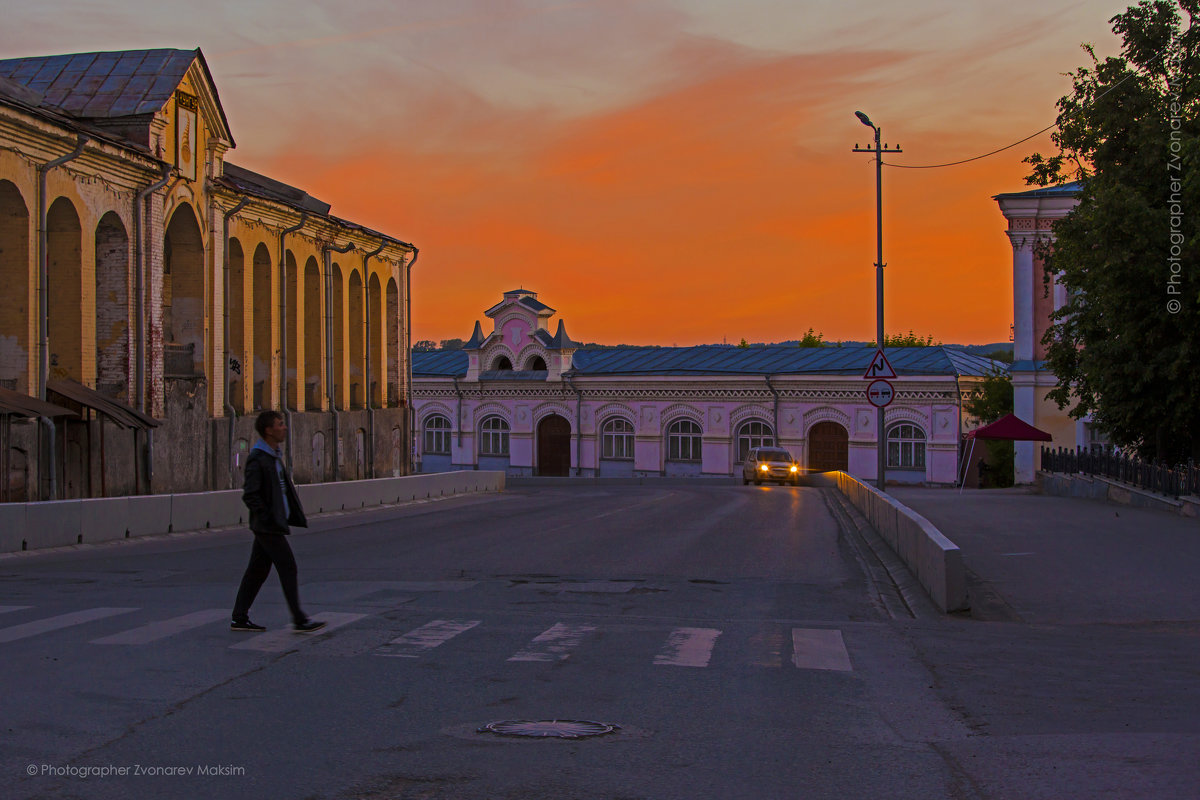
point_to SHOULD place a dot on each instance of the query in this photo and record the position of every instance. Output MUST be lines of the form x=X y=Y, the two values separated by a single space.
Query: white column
x=1024 y=399
x=1023 y=289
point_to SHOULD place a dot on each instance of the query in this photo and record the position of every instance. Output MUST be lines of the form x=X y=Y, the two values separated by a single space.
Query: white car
x=770 y=464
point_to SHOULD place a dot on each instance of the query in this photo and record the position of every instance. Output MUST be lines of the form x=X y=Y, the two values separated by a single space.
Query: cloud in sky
x=660 y=171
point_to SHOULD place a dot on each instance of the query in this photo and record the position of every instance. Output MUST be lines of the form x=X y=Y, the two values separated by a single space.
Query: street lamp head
x=864 y=119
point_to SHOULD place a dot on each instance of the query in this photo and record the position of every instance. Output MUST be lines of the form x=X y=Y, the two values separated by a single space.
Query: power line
x=1132 y=72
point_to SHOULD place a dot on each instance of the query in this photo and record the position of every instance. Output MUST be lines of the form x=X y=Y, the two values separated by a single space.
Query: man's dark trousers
x=268 y=549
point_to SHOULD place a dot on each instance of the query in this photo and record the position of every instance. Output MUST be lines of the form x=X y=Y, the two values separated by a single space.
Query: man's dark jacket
x=263 y=496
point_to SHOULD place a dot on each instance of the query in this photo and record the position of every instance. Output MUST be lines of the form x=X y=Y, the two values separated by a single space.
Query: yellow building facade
x=143 y=269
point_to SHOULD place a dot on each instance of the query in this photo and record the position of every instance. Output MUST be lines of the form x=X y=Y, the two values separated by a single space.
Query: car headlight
x=764 y=467
x=795 y=468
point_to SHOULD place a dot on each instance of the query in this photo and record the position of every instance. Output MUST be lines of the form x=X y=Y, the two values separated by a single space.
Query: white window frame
x=684 y=441
x=617 y=439
x=747 y=440
x=906 y=446
x=493 y=437
x=437 y=435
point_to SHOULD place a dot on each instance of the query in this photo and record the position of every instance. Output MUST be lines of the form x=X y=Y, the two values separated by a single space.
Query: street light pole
x=878 y=150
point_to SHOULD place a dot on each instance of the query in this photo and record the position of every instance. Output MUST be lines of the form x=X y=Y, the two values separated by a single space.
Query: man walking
x=274 y=505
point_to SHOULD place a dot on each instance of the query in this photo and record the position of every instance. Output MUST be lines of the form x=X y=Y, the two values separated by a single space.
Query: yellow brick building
x=142 y=269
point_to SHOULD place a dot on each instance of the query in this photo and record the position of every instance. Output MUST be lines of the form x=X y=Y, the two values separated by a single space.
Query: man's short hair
x=265 y=420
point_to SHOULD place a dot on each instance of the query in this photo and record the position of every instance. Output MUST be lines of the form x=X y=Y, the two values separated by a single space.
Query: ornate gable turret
x=520 y=341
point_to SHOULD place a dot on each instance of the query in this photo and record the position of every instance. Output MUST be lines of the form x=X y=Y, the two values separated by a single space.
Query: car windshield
x=774 y=455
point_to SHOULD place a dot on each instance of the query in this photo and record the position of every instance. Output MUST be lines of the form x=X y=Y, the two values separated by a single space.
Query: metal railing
x=1181 y=479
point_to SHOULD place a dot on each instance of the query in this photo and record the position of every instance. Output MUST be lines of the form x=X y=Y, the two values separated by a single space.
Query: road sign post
x=880 y=394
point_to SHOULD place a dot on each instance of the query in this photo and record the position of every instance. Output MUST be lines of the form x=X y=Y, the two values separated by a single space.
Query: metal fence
x=1181 y=479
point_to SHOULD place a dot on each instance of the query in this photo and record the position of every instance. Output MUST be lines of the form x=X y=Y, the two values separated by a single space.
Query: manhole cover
x=549 y=728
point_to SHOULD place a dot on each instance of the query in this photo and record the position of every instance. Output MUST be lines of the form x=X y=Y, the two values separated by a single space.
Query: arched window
x=906 y=447
x=754 y=433
x=537 y=364
x=683 y=441
x=502 y=363
x=616 y=437
x=437 y=435
x=493 y=437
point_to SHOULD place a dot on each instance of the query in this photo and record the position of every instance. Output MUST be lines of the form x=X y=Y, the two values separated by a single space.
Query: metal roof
x=119 y=413
x=99 y=86
x=439 y=363
x=1063 y=190
x=730 y=360
x=118 y=84
x=22 y=405
x=513 y=375
x=252 y=183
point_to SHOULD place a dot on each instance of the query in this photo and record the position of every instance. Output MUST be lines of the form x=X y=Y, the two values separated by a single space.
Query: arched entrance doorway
x=554 y=446
x=828 y=447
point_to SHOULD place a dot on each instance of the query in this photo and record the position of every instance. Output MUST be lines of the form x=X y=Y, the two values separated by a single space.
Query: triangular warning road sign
x=879 y=368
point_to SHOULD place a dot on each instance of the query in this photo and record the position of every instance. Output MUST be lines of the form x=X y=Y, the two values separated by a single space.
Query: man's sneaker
x=245 y=625
x=309 y=626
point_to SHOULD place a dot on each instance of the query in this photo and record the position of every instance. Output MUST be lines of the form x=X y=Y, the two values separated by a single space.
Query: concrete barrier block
x=317 y=498
x=934 y=560
x=53 y=523
x=149 y=514
x=200 y=510
x=104 y=519
x=12 y=526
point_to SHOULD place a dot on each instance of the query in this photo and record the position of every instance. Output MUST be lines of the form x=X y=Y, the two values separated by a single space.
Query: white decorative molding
x=546 y=409
x=894 y=415
x=433 y=409
x=493 y=352
x=491 y=410
x=672 y=414
x=610 y=410
x=528 y=351
x=826 y=414
x=743 y=413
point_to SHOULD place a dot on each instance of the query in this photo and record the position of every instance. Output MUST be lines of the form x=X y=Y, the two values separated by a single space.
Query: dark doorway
x=828 y=447
x=554 y=446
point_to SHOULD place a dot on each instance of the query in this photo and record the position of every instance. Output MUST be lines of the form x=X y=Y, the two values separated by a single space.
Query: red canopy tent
x=1010 y=427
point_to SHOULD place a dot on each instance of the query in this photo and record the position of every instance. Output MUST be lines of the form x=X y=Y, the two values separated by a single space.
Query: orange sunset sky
x=659 y=171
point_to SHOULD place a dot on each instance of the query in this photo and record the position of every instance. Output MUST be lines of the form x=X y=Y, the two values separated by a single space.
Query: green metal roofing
x=1063 y=190
x=730 y=360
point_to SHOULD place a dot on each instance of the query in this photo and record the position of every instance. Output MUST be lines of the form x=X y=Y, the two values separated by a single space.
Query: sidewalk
x=1044 y=559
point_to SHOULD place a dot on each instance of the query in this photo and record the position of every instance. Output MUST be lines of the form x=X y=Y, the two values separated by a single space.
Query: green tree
x=812 y=339
x=1126 y=346
x=744 y=344
x=987 y=402
x=452 y=344
x=909 y=339
x=424 y=346
x=1001 y=355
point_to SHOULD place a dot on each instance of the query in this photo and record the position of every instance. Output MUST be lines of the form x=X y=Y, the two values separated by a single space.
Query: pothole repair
x=549 y=728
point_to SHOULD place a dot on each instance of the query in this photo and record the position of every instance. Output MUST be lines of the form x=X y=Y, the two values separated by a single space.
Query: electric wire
x=1027 y=138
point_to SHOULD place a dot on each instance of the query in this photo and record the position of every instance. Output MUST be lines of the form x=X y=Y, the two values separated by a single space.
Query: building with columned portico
x=1031 y=216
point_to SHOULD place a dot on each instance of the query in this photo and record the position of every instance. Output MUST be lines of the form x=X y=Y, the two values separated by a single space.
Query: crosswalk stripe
x=282 y=639
x=425 y=638
x=164 y=628
x=555 y=643
x=7 y=609
x=819 y=649
x=688 y=647
x=36 y=627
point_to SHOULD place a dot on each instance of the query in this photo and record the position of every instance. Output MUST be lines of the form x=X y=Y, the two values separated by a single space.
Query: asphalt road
x=737 y=635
